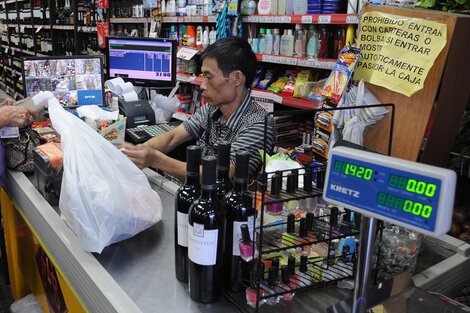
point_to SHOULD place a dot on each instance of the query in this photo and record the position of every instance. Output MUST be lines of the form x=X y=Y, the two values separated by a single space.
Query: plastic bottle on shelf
x=312 y=42
x=171 y=8
x=199 y=37
x=190 y=36
x=244 y=7
x=212 y=36
x=322 y=42
x=251 y=7
x=181 y=3
x=264 y=7
x=205 y=38
x=300 y=41
x=287 y=43
x=276 y=41
x=289 y=7
x=274 y=7
x=268 y=42
x=281 y=7
x=262 y=41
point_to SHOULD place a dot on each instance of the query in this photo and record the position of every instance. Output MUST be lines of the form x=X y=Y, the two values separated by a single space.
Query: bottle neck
x=192 y=180
x=240 y=186
x=223 y=175
x=208 y=192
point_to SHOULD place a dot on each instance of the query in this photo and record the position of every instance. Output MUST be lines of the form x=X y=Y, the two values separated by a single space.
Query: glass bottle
x=224 y=184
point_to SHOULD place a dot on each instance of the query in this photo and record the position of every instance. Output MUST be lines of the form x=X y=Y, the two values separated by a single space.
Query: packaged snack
x=300 y=89
x=278 y=84
x=268 y=79
x=288 y=89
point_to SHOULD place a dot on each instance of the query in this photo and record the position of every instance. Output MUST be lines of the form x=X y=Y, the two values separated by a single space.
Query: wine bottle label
x=202 y=244
x=182 y=224
x=237 y=234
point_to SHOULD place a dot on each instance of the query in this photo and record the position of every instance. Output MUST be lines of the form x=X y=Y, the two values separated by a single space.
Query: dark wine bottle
x=239 y=210
x=205 y=238
x=186 y=195
x=224 y=184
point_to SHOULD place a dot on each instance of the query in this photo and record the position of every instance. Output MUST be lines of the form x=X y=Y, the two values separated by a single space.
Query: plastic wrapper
x=288 y=89
x=278 y=84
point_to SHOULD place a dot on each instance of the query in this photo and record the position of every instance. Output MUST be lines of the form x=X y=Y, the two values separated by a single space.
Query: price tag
x=22 y=28
x=306 y=19
x=262 y=19
x=352 y=19
x=187 y=19
x=186 y=53
x=324 y=19
x=265 y=103
x=180 y=19
x=269 y=19
x=255 y=19
x=211 y=19
x=166 y=19
x=284 y=19
x=197 y=19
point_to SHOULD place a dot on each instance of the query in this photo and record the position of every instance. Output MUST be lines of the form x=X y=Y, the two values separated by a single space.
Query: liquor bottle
x=205 y=239
x=186 y=195
x=224 y=185
x=239 y=210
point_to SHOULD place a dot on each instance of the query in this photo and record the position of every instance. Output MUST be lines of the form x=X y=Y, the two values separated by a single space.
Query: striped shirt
x=244 y=129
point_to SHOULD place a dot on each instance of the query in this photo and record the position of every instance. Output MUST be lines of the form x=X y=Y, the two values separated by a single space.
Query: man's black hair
x=231 y=54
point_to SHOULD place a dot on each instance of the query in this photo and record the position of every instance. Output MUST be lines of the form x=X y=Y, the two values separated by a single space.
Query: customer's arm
x=15 y=116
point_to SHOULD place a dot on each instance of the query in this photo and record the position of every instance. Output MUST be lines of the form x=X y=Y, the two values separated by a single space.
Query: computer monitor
x=147 y=62
x=74 y=80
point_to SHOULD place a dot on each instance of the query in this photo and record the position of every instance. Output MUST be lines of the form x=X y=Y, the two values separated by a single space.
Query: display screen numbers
x=413 y=207
x=412 y=185
x=353 y=170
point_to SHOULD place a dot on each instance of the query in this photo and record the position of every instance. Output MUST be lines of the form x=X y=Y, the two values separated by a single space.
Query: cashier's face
x=216 y=88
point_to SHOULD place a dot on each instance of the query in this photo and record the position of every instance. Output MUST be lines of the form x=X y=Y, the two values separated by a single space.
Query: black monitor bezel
x=57 y=57
x=145 y=82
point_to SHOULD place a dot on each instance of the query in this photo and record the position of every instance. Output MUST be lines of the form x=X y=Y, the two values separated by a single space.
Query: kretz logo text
x=344 y=190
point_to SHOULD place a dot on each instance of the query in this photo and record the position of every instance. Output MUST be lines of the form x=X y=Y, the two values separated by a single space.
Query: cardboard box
x=116 y=132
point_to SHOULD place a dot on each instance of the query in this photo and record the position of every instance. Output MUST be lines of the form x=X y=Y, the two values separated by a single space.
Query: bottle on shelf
x=205 y=238
x=287 y=43
x=239 y=211
x=185 y=196
x=312 y=42
x=224 y=184
x=262 y=40
x=276 y=41
x=322 y=42
x=300 y=41
x=268 y=42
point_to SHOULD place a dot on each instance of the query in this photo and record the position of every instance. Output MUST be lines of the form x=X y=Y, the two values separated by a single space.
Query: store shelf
x=189 y=19
x=303 y=19
x=28 y=52
x=86 y=29
x=186 y=78
x=327 y=64
x=130 y=20
x=39 y=27
x=290 y=101
x=63 y=27
x=26 y=25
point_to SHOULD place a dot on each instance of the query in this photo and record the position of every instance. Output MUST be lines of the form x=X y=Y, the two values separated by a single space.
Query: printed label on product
x=237 y=234
x=182 y=223
x=202 y=244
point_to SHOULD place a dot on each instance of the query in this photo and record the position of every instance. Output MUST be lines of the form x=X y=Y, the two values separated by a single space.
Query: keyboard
x=141 y=134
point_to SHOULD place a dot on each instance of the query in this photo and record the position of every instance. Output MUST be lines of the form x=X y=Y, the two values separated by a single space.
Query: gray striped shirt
x=244 y=129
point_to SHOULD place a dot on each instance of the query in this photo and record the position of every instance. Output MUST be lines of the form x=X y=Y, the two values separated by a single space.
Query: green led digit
x=392 y=181
x=360 y=171
x=338 y=165
x=398 y=203
x=420 y=187
x=430 y=190
x=367 y=174
x=381 y=198
x=344 y=168
x=417 y=207
x=352 y=169
x=402 y=182
x=390 y=201
x=408 y=206
x=427 y=210
x=411 y=185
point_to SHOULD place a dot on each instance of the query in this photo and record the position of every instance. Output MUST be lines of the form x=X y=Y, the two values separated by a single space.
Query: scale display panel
x=413 y=195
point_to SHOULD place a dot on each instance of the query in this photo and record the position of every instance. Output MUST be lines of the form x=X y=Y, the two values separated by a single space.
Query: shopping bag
x=104 y=197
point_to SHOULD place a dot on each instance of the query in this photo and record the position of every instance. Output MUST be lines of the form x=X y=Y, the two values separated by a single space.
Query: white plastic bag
x=104 y=197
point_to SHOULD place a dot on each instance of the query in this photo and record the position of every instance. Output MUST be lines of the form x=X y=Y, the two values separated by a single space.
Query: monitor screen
x=75 y=80
x=142 y=61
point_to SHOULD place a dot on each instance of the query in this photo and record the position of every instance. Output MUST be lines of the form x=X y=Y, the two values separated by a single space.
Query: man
x=228 y=67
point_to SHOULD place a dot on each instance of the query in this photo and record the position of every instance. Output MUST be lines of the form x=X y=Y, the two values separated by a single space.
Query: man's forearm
x=169 y=165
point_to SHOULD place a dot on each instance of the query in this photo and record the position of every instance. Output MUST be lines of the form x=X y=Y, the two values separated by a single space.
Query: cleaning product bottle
x=268 y=42
x=312 y=42
x=262 y=40
x=287 y=43
x=205 y=38
x=171 y=8
x=199 y=37
x=190 y=36
x=289 y=7
x=251 y=7
x=274 y=7
x=264 y=7
x=276 y=41
x=212 y=36
x=244 y=7
x=281 y=7
x=300 y=40
x=300 y=6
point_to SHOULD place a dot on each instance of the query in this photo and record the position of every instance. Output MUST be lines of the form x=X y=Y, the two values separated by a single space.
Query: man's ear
x=238 y=77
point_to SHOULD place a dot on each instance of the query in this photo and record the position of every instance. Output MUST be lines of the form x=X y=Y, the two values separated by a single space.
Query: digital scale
x=409 y=194
x=413 y=195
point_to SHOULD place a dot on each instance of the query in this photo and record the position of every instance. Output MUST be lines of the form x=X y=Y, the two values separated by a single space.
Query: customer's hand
x=16 y=116
x=141 y=155
x=7 y=101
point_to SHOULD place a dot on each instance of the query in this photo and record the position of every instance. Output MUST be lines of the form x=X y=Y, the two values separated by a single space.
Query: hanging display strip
x=413 y=195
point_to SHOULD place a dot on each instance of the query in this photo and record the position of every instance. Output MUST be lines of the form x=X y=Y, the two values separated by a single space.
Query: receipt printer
x=137 y=112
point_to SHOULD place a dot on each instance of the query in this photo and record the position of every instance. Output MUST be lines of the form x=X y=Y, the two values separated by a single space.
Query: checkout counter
x=137 y=275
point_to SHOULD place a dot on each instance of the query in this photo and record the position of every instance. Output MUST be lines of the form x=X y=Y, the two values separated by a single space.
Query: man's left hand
x=141 y=155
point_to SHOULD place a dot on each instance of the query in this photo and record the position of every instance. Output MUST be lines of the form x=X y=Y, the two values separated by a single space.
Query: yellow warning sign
x=398 y=51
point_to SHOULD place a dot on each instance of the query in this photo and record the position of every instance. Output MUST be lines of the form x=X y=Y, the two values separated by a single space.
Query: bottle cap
x=290 y=228
x=285 y=275
x=309 y=217
x=261 y=182
x=291 y=264
x=245 y=234
x=295 y=173
x=302 y=227
x=268 y=31
x=208 y=171
x=290 y=183
x=320 y=178
x=241 y=166
x=347 y=216
x=303 y=263
x=193 y=160
x=308 y=180
x=275 y=262
x=334 y=216
x=273 y=275
x=276 y=184
x=262 y=31
x=223 y=155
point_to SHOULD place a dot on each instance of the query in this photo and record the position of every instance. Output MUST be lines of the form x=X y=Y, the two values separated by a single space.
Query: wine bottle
x=205 y=238
x=238 y=205
x=224 y=185
x=186 y=195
